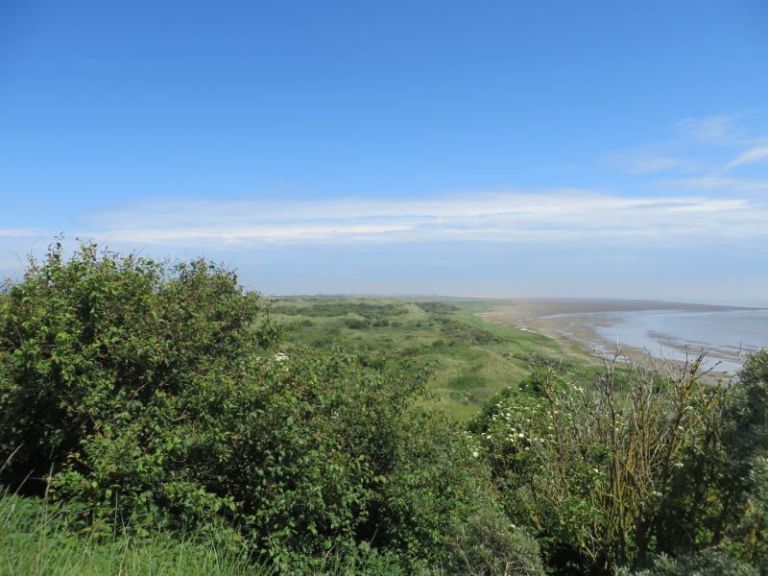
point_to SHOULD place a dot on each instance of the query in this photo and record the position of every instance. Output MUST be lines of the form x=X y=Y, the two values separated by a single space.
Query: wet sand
x=573 y=322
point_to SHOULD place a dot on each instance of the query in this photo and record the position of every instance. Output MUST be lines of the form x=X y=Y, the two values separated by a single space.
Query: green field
x=470 y=359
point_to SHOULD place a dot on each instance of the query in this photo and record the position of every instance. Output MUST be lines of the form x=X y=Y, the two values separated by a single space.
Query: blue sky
x=508 y=148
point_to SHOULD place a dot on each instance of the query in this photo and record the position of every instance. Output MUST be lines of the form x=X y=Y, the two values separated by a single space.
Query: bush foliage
x=635 y=465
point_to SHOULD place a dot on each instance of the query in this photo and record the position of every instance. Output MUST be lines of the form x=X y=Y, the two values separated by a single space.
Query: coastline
x=579 y=326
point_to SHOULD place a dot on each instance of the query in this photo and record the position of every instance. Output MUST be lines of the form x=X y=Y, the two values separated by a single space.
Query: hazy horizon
x=502 y=299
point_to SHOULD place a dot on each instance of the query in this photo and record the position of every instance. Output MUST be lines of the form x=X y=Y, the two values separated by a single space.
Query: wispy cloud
x=716 y=182
x=508 y=217
x=684 y=196
x=755 y=154
x=703 y=156
x=723 y=129
x=680 y=152
x=647 y=162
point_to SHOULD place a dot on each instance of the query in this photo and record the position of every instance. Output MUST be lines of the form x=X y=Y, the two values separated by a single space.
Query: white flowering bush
x=590 y=468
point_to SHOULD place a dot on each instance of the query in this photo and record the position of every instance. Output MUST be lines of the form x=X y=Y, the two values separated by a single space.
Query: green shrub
x=441 y=506
x=720 y=497
x=456 y=332
x=595 y=471
x=357 y=323
x=89 y=345
x=440 y=308
x=708 y=562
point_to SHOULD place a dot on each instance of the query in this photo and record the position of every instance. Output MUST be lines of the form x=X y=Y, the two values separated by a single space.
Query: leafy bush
x=456 y=332
x=708 y=562
x=357 y=323
x=594 y=471
x=485 y=543
x=88 y=345
x=441 y=505
x=437 y=307
x=636 y=466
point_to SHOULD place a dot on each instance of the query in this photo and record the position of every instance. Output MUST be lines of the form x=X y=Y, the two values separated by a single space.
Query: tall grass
x=34 y=542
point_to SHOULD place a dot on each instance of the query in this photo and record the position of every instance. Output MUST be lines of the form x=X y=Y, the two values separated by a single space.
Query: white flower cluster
x=515 y=424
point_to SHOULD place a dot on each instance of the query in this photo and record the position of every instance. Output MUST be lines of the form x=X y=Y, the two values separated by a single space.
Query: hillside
x=470 y=359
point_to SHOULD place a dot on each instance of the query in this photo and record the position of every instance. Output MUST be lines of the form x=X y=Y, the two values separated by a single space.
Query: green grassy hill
x=471 y=359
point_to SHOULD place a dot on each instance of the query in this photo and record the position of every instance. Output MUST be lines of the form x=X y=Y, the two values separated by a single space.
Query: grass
x=34 y=542
x=36 y=539
x=473 y=359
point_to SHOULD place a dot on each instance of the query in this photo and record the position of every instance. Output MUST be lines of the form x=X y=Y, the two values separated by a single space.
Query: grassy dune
x=472 y=359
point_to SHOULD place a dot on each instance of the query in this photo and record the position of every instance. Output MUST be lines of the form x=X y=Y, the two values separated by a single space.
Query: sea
x=726 y=335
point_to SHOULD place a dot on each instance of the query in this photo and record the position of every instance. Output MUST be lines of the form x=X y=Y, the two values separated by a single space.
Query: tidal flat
x=635 y=329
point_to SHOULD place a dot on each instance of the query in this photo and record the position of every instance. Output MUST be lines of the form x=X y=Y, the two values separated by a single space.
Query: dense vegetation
x=635 y=467
x=157 y=418
x=470 y=361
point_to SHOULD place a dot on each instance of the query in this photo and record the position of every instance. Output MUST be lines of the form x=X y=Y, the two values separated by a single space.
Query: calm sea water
x=727 y=335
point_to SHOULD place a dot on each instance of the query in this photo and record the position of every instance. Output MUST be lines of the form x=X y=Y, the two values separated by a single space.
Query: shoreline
x=575 y=324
